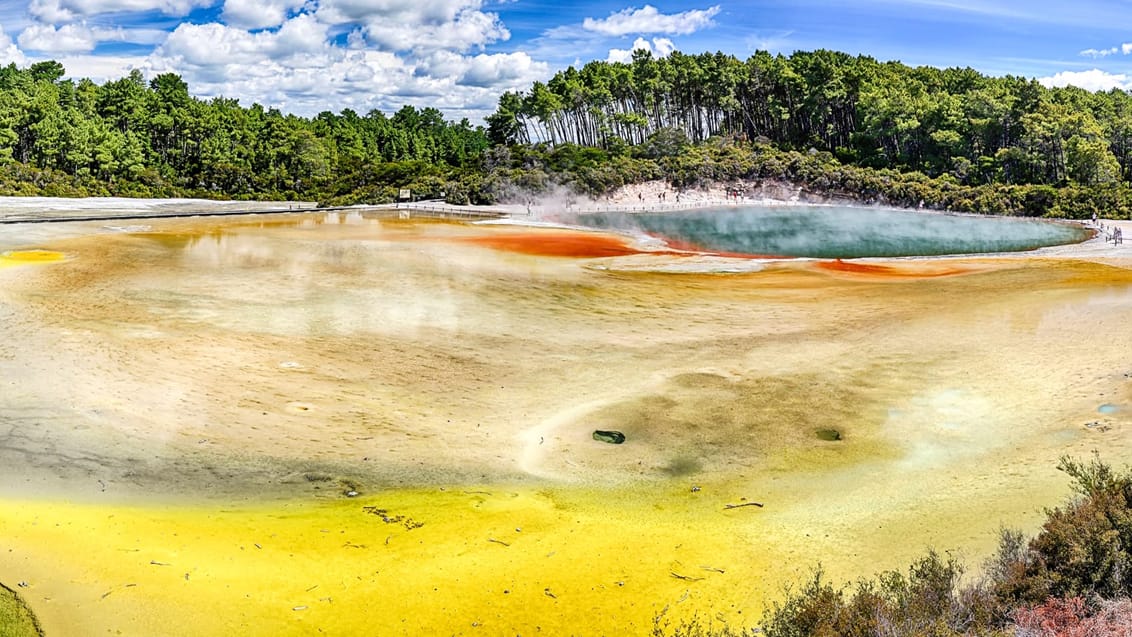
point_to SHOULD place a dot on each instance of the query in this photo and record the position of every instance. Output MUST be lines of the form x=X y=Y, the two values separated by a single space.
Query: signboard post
x=404 y=194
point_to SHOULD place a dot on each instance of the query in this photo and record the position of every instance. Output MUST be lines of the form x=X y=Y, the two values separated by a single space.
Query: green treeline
x=951 y=129
x=830 y=123
x=955 y=122
x=132 y=138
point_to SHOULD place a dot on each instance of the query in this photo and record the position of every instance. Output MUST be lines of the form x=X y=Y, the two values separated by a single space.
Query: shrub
x=1073 y=579
x=1061 y=617
x=927 y=601
x=1083 y=547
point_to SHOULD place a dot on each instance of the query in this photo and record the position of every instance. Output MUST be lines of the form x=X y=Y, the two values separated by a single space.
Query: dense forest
x=830 y=123
x=130 y=137
x=976 y=128
x=948 y=138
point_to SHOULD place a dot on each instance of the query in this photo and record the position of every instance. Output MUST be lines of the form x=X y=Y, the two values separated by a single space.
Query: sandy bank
x=659 y=195
x=34 y=208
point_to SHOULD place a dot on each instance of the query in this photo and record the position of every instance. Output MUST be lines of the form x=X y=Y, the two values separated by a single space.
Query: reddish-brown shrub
x=1072 y=617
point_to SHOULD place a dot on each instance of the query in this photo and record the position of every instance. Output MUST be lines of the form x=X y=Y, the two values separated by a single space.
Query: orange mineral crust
x=917 y=271
x=589 y=245
x=557 y=243
x=687 y=246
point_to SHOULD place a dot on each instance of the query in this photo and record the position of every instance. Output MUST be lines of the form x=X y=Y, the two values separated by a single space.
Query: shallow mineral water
x=840 y=231
x=280 y=425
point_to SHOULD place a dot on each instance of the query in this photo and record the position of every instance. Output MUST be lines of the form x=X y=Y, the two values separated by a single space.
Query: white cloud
x=355 y=40
x=1092 y=80
x=299 y=69
x=414 y=25
x=301 y=56
x=1125 y=49
x=69 y=38
x=659 y=47
x=60 y=11
x=78 y=38
x=9 y=52
x=300 y=35
x=100 y=68
x=505 y=70
x=216 y=46
x=258 y=67
x=649 y=20
x=411 y=12
x=468 y=29
x=259 y=14
x=1098 y=53
x=134 y=35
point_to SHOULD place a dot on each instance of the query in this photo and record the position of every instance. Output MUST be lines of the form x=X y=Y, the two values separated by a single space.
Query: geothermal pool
x=279 y=425
x=839 y=231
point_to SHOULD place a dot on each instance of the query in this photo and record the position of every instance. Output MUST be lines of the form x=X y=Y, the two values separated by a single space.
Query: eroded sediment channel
x=186 y=407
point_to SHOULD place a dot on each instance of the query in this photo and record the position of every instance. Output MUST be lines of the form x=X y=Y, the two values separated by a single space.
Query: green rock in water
x=612 y=437
x=831 y=435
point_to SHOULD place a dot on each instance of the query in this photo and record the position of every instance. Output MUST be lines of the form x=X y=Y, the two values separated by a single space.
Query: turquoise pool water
x=839 y=231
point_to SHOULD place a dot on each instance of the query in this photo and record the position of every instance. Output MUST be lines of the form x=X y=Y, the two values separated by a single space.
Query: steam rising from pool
x=839 y=231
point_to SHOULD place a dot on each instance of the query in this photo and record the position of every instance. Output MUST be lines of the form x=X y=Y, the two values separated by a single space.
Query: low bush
x=1072 y=579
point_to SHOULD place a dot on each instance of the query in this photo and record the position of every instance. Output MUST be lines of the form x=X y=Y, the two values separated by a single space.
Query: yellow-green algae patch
x=508 y=560
x=25 y=257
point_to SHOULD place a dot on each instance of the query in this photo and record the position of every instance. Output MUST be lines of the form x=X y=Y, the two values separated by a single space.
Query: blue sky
x=306 y=56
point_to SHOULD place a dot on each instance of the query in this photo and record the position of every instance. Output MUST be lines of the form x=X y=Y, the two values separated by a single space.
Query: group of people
x=662 y=197
x=1117 y=236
